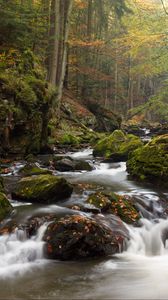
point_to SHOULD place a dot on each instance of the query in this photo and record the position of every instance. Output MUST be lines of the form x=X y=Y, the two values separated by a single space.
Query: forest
x=83 y=149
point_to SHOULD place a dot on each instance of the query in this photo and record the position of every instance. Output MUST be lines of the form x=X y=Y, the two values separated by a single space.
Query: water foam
x=19 y=254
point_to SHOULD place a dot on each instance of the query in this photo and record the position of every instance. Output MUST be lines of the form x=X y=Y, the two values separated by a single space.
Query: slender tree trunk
x=116 y=81
x=64 y=52
x=54 y=40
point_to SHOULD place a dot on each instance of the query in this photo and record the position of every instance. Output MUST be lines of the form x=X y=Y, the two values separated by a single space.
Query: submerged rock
x=119 y=205
x=151 y=161
x=75 y=237
x=43 y=189
x=117 y=146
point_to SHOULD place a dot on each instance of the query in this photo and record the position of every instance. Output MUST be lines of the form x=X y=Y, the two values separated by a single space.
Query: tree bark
x=68 y=9
x=54 y=37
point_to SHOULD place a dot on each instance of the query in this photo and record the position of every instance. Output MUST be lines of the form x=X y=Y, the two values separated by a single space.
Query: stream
x=140 y=272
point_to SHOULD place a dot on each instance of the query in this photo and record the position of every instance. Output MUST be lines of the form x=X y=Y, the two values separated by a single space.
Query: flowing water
x=141 y=272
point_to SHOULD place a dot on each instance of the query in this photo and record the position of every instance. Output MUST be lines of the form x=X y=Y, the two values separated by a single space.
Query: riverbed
x=140 y=272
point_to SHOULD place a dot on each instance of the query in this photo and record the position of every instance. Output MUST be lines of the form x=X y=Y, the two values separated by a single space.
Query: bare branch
x=164 y=7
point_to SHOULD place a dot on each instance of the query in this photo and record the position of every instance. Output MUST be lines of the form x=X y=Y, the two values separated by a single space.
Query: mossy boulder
x=24 y=110
x=150 y=161
x=33 y=169
x=117 y=146
x=5 y=206
x=78 y=237
x=119 y=205
x=43 y=189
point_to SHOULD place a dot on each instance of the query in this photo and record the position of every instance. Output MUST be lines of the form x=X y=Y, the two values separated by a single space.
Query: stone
x=33 y=169
x=119 y=205
x=66 y=164
x=5 y=206
x=43 y=189
x=150 y=161
x=78 y=237
x=117 y=146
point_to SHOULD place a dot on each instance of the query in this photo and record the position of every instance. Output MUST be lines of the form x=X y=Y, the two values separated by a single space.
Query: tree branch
x=164 y=7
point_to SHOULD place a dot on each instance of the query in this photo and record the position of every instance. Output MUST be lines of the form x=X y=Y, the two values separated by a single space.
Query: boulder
x=150 y=161
x=5 y=206
x=119 y=205
x=42 y=189
x=66 y=164
x=33 y=169
x=117 y=146
x=1 y=184
x=77 y=237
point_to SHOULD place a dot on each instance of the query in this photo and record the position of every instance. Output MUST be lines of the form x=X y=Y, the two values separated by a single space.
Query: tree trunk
x=54 y=37
x=68 y=10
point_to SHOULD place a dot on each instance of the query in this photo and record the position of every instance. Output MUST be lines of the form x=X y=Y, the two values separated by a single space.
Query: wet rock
x=67 y=164
x=64 y=165
x=5 y=206
x=1 y=184
x=78 y=237
x=33 y=169
x=134 y=129
x=117 y=146
x=34 y=223
x=85 y=208
x=42 y=189
x=150 y=161
x=119 y=205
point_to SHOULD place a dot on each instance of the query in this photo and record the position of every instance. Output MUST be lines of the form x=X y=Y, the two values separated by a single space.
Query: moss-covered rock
x=32 y=169
x=151 y=160
x=42 y=189
x=117 y=146
x=75 y=237
x=119 y=205
x=5 y=206
x=1 y=185
x=25 y=99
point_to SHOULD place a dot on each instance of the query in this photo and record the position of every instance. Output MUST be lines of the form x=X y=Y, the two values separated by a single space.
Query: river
x=141 y=272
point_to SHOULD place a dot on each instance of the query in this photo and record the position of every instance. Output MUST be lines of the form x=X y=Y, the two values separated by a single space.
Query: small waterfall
x=19 y=254
x=150 y=239
x=84 y=154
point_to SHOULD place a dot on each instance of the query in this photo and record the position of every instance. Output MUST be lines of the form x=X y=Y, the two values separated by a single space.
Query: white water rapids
x=19 y=254
x=140 y=272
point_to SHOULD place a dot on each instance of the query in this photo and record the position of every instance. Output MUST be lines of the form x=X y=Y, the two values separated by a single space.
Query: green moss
x=1 y=185
x=42 y=188
x=69 y=139
x=32 y=169
x=151 y=160
x=5 y=206
x=118 y=145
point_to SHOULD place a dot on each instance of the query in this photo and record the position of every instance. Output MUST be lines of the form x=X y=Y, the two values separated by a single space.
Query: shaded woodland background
x=101 y=53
